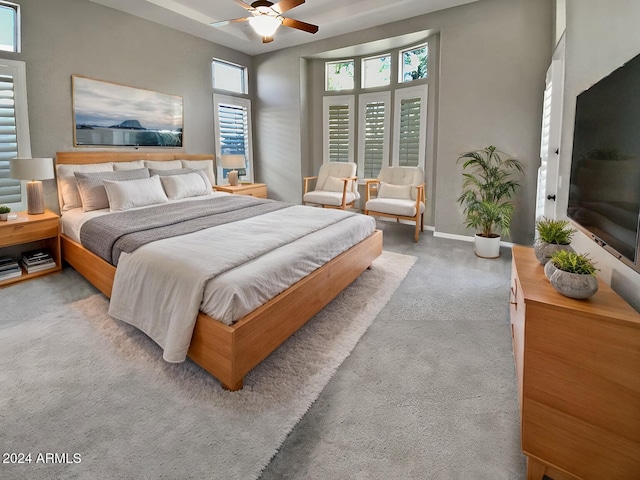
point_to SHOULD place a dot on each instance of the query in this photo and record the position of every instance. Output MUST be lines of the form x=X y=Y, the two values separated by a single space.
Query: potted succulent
x=4 y=212
x=486 y=196
x=572 y=274
x=553 y=235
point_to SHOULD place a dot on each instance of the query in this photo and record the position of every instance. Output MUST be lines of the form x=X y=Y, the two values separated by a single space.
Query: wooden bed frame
x=230 y=352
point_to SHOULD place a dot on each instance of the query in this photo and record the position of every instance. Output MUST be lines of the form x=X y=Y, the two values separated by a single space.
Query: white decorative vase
x=487 y=247
x=574 y=285
x=544 y=250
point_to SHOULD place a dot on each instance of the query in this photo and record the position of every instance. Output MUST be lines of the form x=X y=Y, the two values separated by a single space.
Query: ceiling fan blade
x=284 y=5
x=246 y=6
x=307 y=27
x=227 y=22
x=267 y=39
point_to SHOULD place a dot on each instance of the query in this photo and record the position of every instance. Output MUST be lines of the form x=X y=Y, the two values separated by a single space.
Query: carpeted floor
x=75 y=381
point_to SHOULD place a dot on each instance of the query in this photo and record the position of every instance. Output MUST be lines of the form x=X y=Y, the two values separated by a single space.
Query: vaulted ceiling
x=334 y=17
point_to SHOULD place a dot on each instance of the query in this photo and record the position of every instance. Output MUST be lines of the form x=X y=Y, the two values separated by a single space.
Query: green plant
x=4 y=209
x=555 y=231
x=487 y=189
x=573 y=262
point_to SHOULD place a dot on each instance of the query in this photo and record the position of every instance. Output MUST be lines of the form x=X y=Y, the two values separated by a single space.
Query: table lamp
x=232 y=162
x=33 y=170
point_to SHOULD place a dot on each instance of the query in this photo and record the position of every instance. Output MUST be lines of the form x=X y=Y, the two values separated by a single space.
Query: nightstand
x=31 y=232
x=253 y=189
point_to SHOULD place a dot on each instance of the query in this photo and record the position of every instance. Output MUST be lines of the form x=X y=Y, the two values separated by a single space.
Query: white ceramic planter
x=4 y=217
x=487 y=247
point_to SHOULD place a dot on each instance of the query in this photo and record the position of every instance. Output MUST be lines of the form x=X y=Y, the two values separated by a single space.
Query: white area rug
x=95 y=394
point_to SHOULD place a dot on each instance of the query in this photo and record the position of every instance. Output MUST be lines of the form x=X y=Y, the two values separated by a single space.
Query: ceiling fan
x=267 y=17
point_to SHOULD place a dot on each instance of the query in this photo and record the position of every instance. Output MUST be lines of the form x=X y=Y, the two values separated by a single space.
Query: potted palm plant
x=486 y=195
x=553 y=235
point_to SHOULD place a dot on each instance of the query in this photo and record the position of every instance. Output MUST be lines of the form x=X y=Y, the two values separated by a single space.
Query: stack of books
x=9 y=268
x=37 y=260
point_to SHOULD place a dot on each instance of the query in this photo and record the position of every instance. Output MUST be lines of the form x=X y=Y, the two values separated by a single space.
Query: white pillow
x=388 y=190
x=128 y=165
x=91 y=186
x=206 y=165
x=160 y=165
x=333 y=184
x=67 y=185
x=134 y=193
x=192 y=184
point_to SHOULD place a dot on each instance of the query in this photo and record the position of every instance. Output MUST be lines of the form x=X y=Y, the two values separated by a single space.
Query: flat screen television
x=604 y=191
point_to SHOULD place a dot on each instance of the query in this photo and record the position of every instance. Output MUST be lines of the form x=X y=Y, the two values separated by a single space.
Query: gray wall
x=66 y=37
x=493 y=58
x=600 y=37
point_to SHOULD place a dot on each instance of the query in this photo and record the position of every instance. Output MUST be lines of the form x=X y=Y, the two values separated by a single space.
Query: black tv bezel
x=633 y=264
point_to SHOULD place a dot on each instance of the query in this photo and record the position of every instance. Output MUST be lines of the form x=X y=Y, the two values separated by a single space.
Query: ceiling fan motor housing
x=262 y=3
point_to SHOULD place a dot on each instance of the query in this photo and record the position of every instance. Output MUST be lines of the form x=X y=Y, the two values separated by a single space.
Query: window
x=338 y=132
x=232 y=120
x=14 y=126
x=339 y=75
x=376 y=71
x=9 y=27
x=373 y=133
x=229 y=77
x=414 y=63
x=410 y=127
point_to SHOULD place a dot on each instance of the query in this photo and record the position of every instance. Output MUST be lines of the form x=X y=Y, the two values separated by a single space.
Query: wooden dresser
x=578 y=370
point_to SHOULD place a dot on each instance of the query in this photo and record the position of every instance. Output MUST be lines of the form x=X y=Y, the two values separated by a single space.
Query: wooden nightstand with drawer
x=30 y=232
x=253 y=189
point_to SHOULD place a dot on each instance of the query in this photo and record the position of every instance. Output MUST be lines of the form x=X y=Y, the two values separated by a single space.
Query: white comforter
x=161 y=287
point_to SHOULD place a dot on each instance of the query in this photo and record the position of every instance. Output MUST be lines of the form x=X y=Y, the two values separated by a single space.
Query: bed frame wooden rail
x=230 y=352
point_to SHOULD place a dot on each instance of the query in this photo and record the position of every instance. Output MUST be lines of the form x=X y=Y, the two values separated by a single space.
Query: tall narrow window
x=228 y=76
x=14 y=126
x=232 y=118
x=338 y=128
x=9 y=27
x=373 y=133
x=410 y=122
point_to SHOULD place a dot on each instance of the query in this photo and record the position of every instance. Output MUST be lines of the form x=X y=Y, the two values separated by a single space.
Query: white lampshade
x=32 y=168
x=265 y=25
x=232 y=161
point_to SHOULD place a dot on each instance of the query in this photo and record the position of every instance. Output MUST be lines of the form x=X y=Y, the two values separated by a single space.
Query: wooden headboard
x=102 y=156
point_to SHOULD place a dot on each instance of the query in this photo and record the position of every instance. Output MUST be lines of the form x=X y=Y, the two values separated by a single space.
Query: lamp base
x=35 y=198
x=232 y=176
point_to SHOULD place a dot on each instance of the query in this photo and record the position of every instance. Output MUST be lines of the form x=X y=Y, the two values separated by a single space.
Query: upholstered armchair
x=336 y=186
x=399 y=194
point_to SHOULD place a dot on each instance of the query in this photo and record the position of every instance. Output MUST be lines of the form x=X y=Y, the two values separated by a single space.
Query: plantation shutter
x=9 y=188
x=374 y=138
x=339 y=133
x=234 y=129
x=409 y=145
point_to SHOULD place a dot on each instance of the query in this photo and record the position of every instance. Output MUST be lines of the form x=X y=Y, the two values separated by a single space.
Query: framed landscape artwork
x=109 y=114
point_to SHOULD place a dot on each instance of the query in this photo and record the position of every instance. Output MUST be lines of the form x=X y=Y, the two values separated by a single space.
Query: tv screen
x=604 y=193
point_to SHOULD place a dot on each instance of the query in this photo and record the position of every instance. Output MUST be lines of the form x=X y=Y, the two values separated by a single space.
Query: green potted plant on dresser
x=553 y=235
x=4 y=213
x=486 y=195
x=572 y=274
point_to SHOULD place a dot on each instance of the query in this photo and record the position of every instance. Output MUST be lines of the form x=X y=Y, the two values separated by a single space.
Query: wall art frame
x=108 y=114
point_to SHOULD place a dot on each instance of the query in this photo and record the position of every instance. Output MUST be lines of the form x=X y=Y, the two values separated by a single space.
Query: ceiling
x=334 y=17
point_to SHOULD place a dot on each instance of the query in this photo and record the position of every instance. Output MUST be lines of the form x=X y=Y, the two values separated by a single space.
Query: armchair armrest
x=306 y=182
x=370 y=182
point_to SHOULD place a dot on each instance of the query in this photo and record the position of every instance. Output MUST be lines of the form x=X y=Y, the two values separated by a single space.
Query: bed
x=229 y=349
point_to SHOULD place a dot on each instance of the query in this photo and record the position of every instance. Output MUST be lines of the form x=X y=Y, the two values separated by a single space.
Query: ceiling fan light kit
x=265 y=25
x=267 y=17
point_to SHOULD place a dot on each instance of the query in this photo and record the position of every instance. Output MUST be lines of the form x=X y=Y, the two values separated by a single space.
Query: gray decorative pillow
x=91 y=186
x=173 y=171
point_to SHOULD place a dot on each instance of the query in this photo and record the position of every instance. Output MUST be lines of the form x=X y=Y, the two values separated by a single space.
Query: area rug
x=85 y=396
